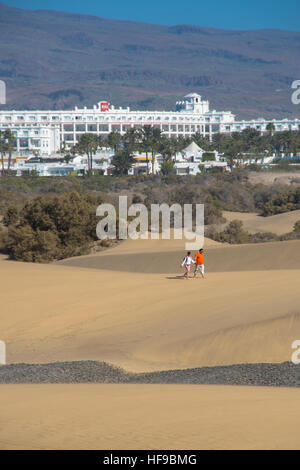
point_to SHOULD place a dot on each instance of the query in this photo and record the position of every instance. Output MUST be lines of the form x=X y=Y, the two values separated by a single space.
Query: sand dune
x=144 y=322
x=247 y=310
x=148 y=417
x=275 y=177
x=253 y=223
x=219 y=258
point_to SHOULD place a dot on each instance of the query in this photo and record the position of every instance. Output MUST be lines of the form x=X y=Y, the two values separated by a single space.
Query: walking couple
x=198 y=262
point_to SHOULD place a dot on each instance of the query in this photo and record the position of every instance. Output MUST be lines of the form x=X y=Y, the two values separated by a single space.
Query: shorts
x=199 y=268
x=188 y=268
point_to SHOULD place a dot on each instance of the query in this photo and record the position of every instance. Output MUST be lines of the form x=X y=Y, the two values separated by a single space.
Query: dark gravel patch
x=273 y=375
x=62 y=372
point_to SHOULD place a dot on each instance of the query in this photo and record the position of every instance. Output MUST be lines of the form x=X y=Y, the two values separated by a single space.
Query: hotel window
x=180 y=128
x=55 y=118
x=7 y=118
x=187 y=128
x=90 y=118
x=80 y=128
x=103 y=128
x=68 y=137
x=173 y=128
x=32 y=118
x=44 y=118
x=92 y=128
x=20 y=118
x=68 y=128
x=116 y=128
x=67 y=118
x=78 y=118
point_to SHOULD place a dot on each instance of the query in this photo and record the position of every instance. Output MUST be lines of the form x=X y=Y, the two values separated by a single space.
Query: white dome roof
x=192 y=95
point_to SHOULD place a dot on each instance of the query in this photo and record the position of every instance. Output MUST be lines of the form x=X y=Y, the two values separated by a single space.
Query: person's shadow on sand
x=176 y=277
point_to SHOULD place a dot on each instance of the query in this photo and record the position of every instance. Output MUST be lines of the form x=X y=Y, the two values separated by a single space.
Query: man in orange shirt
x=199 y=266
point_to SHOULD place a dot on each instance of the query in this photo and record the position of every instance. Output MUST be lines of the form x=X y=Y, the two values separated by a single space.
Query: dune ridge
x=152 y=258
x=253 y=223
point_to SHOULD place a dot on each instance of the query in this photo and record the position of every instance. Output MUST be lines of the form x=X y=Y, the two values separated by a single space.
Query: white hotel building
x=46 y=132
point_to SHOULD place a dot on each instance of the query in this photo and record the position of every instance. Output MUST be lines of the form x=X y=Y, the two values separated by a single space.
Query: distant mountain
x=58 y=60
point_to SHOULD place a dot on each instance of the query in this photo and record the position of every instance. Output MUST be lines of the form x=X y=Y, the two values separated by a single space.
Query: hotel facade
x=46 y=132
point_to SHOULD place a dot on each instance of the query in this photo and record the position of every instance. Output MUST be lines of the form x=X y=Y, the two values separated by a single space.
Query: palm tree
x=145 y=142
x=114 y=140
x=131 y=139
x=10 y=141
x=88 y=144
x=154 y=143
x=178 y=146
x=2 y=151
x=166 y=148
x=122 y=161
x=270 y=128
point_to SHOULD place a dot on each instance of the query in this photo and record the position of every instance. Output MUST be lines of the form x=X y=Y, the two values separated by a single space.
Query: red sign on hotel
x=104 y=106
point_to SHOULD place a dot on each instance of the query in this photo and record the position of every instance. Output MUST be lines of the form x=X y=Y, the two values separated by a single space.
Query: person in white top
x=186 y=263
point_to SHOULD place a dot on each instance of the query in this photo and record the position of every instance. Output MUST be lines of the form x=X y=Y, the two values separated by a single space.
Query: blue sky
x=228 y=14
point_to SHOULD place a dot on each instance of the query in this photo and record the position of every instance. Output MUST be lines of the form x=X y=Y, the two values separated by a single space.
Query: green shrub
x=208 y=157
x=11 y=216
x=53 y=228
x=233 y=234
x=285 y=201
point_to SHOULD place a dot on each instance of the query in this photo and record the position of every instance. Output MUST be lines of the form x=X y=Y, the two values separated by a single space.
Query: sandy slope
x=145 y=322
x=279 y=224
x=154 y=259
x=275 y=177
x=148 y=417
x=148 y=321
